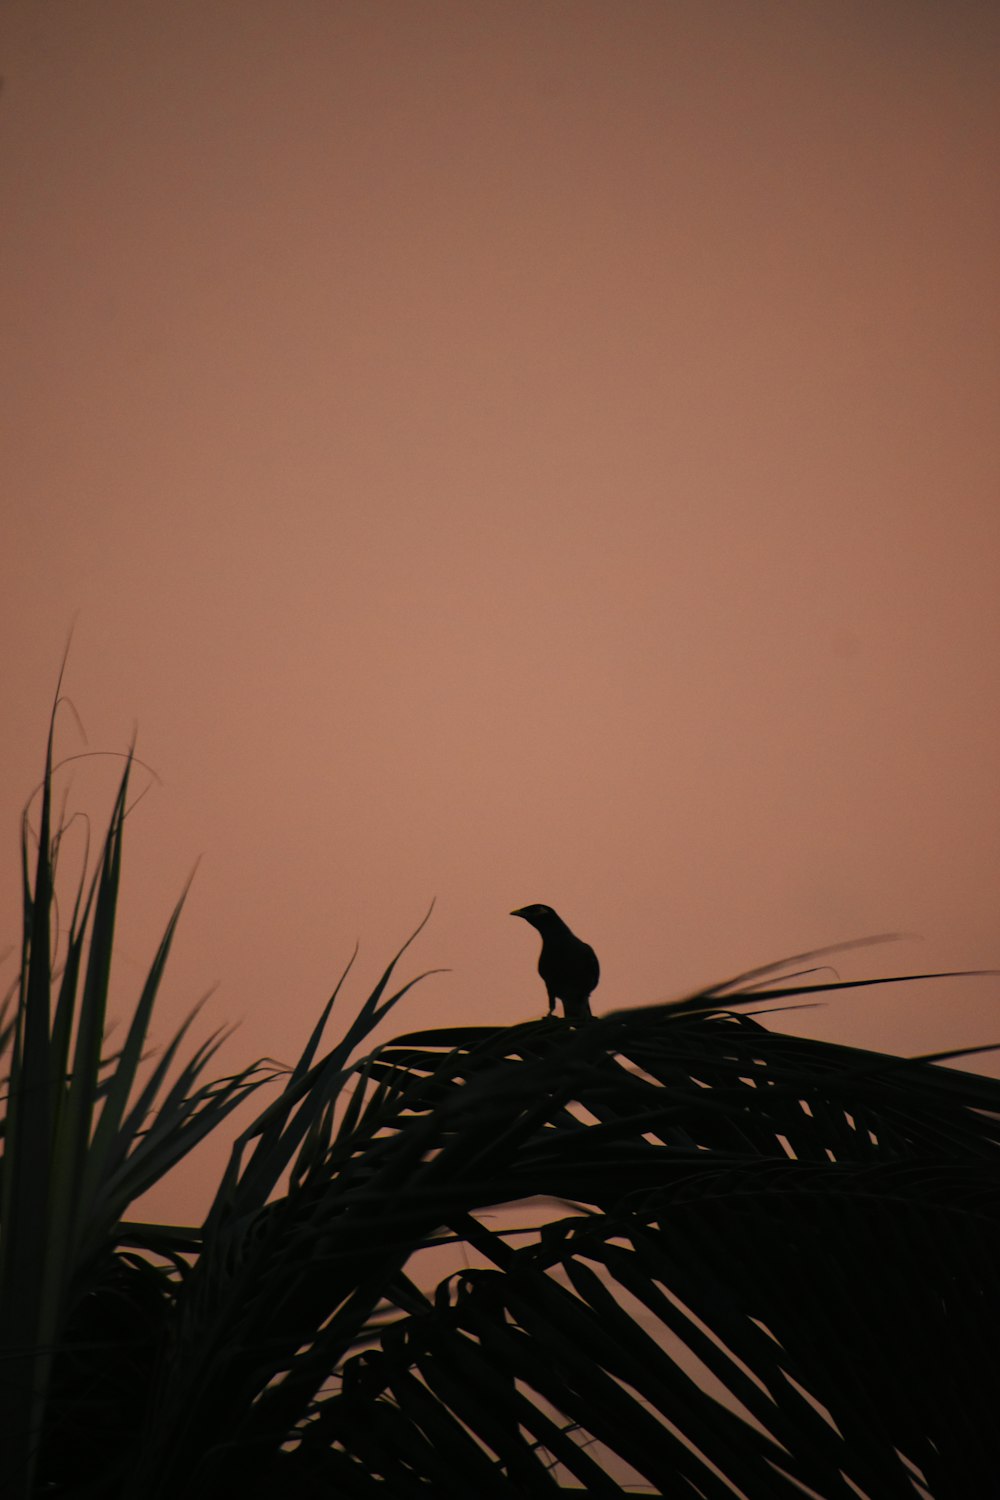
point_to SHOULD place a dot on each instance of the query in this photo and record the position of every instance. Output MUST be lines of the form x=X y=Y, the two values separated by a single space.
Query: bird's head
x=537 y=914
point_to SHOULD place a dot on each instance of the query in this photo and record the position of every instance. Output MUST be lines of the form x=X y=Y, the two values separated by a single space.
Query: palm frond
x=765 y=1266
x=73 y=1158
x=758 y=1207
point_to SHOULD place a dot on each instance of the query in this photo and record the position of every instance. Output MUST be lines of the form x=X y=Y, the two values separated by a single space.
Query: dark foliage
x=698 y=1257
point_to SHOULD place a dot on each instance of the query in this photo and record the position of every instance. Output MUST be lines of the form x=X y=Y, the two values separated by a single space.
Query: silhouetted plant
x=768 y=1267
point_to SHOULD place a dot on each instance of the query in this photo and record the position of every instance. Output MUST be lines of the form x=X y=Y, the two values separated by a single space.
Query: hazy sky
x=508 y=450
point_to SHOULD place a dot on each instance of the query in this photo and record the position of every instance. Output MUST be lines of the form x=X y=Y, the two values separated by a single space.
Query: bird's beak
x=520 y=911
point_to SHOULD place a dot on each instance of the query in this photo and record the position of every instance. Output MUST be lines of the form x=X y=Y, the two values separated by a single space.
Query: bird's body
x=568 y=966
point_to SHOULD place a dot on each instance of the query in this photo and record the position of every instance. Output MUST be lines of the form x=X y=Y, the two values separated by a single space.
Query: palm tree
x=765 y=1267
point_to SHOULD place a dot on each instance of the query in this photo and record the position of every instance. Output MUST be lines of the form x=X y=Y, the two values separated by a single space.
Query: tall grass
x=767 y=1263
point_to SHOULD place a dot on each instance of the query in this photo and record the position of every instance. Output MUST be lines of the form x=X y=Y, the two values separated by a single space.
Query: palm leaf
x=72 y=1158
x=761 y=1210
x=766 y=1266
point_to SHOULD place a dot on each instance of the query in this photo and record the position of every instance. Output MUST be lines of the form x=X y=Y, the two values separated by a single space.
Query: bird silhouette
x=568 y=967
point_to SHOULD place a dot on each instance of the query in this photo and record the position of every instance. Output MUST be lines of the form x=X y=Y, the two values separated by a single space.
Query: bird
x=568 y=966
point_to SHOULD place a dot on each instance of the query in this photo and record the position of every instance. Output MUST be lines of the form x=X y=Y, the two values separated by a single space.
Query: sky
x=497 y=451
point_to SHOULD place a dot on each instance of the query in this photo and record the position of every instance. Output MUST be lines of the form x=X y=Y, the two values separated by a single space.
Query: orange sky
x=508 y=450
